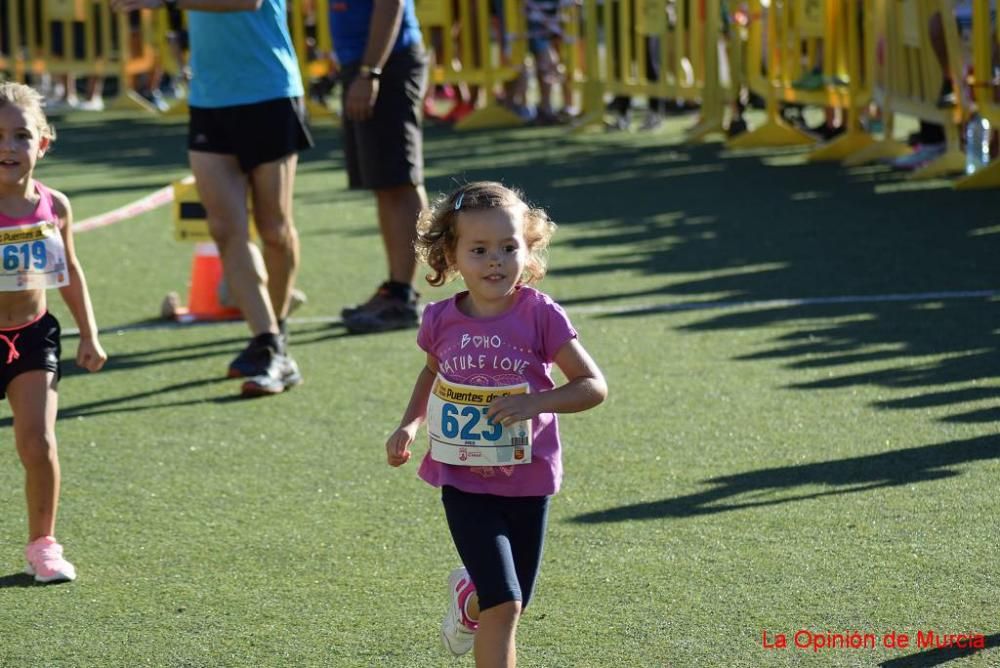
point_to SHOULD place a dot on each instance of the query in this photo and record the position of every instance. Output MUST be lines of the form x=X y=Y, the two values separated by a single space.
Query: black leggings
x=500 y=540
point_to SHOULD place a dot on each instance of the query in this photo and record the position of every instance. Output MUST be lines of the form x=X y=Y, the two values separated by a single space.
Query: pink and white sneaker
x=46 y=563
x=458 y=631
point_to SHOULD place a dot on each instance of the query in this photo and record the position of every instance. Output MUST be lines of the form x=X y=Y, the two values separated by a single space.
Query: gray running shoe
x=281 y=373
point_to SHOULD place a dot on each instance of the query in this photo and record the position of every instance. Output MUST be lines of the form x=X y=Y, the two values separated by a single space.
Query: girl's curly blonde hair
x=437 y=234
x=29 y=101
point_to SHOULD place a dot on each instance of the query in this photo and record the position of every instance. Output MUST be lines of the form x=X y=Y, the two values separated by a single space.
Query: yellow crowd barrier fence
x=910 y=80
x=309 y=25
x=476 y=49
x=811 y=52
x=82 y=38
x=855 y=52
x=634 y=48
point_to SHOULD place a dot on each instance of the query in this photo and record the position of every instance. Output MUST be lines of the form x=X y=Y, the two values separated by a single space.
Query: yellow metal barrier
x=96 y=42
x=172 y=62
x=316 y=62
x=72 y=20
x=714 y=92
x=849 y=47
x=189 y=217
x=621 y=35
x=92 y=41
x=471 y=53
x=985 y=42
x=135 y=57
x=571 y=51
x=831 y=43
x=764 y=76
x=911 y=78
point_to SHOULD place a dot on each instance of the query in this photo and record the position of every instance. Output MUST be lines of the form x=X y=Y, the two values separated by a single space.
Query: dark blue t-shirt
x=349 y=24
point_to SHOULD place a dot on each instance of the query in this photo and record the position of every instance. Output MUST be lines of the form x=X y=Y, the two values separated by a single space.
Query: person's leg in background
x=385 y=154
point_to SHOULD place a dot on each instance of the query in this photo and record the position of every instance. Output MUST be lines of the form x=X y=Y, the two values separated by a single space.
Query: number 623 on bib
x=461 y=434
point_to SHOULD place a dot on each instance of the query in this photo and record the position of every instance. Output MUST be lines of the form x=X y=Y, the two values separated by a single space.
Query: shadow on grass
x=133 y=403
x=19 y=580
x=125 y=404
x=153 y=357
x=140 y=360
x=843 y=476
x=939 y=655
x=914 y=347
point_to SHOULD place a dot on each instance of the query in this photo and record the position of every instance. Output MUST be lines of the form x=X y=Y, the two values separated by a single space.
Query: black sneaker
x=384 y=313
x=280 y=374
x=381 y=293
x=252 y=361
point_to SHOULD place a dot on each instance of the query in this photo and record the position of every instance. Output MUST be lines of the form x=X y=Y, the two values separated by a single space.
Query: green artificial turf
x=762 y=465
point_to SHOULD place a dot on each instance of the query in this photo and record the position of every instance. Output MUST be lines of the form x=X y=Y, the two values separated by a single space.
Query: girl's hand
x=397 y=448
x=90 y=355
x=513 y=408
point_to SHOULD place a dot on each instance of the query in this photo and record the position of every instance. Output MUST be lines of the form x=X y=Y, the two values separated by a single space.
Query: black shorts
x=255 y=133
x=37 y=347
x=388 y=149
x=500 y=540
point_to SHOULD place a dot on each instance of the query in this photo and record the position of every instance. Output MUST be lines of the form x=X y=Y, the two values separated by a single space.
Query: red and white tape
x=155 y=200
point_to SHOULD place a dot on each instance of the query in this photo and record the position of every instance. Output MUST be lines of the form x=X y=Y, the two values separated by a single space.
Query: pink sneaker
x=46 y=563
x=458 y=631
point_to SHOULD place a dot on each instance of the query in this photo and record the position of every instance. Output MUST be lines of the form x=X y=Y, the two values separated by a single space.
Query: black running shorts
x=31 y=347
x=500 y=541
x=255 y=133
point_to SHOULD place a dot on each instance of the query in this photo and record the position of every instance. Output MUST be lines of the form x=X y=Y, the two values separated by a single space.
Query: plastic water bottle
x=977 y=143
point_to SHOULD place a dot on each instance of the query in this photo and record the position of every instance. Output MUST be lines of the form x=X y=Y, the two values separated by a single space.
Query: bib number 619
x=16 y=256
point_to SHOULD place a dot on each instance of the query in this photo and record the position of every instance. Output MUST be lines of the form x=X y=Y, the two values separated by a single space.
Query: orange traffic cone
x=203 y=296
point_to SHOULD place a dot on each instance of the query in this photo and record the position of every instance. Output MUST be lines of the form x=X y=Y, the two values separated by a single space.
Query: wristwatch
x=365 y=71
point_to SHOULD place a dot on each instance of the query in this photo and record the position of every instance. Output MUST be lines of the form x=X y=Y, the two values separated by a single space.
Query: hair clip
x=458 y=201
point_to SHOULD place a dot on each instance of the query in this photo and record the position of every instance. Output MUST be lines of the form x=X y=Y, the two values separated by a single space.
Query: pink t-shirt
x=514 y=347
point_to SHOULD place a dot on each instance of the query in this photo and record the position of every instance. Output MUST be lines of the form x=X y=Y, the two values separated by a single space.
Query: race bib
x=32 y=257
x=460 y=433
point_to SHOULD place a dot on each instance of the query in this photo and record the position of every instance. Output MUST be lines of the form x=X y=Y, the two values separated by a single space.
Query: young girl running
x=490 y=403
x=36 y=248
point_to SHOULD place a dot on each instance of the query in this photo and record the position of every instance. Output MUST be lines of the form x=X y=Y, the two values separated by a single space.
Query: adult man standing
x=246 y=128
x=380 y=48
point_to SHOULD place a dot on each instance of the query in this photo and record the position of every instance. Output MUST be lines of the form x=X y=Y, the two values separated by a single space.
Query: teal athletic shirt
x=242 y=57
